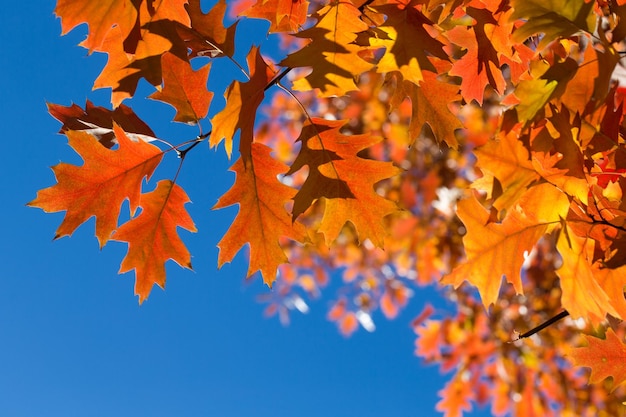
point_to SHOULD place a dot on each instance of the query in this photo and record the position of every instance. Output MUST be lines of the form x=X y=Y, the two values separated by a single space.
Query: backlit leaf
x=263 y=219
x=100 y=186
x=185 y=89
x=152 y=236
x=606 y=358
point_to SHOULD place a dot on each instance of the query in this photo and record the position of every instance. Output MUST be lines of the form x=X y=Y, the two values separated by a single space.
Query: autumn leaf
x=332 y=53
x=263 y=219
x=548 y=82
x=185 y=89
x=606 y=358
x=557 y=155
x=152 y=236
x=344 y=180
x=408 y=44
x=495 y=250
x=100 y=16
x=612 y=281
x=581 y=296
x=455 y=398
x=552 y=18
x=207 y=35
x=430 y=106
x=138 y=55
x=98 y=122
x=283 y=15
x=507 y=161
x=100 y=186
x=242 y=102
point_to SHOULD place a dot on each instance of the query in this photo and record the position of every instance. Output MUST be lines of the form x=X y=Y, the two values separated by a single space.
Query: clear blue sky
x=75 y=342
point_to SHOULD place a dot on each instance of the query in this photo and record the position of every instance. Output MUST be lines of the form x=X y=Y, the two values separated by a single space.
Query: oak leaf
x=138 y=55
x=152 y=236
x=262 y=219
x=494 y=250
x=100 y=186
x=605 y=357
x=408 y=43
x=98 y=121
x=242 y=102
x=283 y=15
x=430 y=103
x=552 y=18
x=344 y=180
x=208 y=35
x=506 y=161
x=184 y=89
x=582 y=296
x=100 y=16
x=332 y=53
x=488 y=47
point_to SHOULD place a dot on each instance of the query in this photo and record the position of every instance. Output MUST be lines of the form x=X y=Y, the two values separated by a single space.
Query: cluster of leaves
x=385 y=113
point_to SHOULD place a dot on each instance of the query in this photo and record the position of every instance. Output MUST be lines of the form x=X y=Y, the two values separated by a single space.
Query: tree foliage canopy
x=475 y=143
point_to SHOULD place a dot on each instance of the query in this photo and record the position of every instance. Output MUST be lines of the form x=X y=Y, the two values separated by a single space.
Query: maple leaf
x=553 y=18
x=101 y=16
x=262 y=219
x=283 y=15
x=408 y=43
x=98 y=122
x=494 y=250
x=207 y=35
x=242 y=102
x=344 y=180
x=185 y=89
x=332 y=53
x=100 y=186
x=152 y=236
x=430 y=106
x=605 y=357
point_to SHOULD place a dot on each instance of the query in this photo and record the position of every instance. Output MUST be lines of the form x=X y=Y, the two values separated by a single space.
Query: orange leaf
x=495 y=250
x=581 y=295
x=507 y=160
x=138 y=55
x=100 y=186
x=612 y=282
x=476 y=68
x=332 y=53
x=283 y=15
x=262 y=218
x=430 y=105
x=185 y=89
x=456 y=397
x=606 y=358
x=153 y=239
x=100 y=15
x=408 y=44
x=98 y=121
x=242 y=102
x=343 y=179
x=208 y=36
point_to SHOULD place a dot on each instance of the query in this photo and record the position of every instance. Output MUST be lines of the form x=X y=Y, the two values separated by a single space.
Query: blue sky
x=75 y=342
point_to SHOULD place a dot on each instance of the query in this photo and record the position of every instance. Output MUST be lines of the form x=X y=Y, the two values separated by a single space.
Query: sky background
x=75 y=342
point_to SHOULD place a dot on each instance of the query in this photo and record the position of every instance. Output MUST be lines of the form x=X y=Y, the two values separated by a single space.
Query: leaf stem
x=543 y=325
